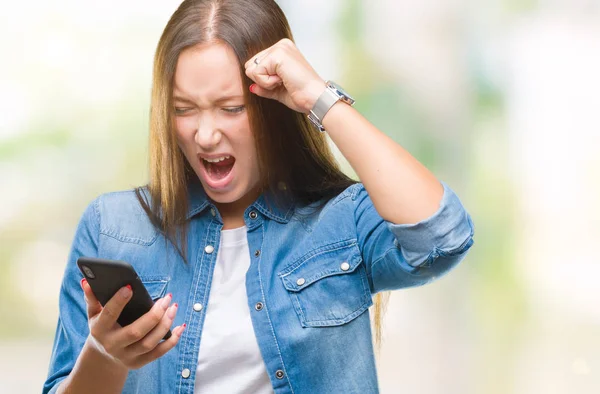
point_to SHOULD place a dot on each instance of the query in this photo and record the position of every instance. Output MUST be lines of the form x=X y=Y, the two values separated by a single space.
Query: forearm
x=402 y=190
x=94 y=373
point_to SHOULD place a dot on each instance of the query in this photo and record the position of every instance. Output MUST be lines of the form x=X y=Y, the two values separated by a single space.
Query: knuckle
x=157 y=315
x=165 y=325
x=167 y=322
x=147 y=346
x=159 y=351
x=109 y=312
x=134 y=334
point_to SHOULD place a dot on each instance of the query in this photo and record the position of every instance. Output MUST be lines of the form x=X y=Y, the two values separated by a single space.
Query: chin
x=230 y=196
x=224 y=198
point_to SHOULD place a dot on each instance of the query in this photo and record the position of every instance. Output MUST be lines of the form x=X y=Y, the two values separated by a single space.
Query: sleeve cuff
x=448 y=231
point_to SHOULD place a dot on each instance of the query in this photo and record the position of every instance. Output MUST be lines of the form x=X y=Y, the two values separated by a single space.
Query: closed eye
x=181 y=111
x=234 y=110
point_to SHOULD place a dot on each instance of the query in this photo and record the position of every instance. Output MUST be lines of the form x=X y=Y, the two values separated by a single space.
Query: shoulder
x=120 y=215
x=121 y=202
x=340 y=204
x=347 y=196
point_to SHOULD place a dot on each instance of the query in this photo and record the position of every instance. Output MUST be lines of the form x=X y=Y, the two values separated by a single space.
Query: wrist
x=330 y=96
x=94 y=372
x=95 y=350
x=314 y=90
x=336 y=111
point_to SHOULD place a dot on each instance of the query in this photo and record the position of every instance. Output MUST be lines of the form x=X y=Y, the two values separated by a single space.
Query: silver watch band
x=332 y=94
x=324 y=104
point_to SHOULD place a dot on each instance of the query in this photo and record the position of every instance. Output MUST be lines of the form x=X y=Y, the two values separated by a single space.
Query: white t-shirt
x=229 y=359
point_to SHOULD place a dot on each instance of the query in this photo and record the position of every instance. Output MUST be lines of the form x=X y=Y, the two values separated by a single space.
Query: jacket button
x=253 y=215
x=209 y=249
x=197 y=307
x=345 y=266
x=300 y=281
x=185 y=373
x=258 y=306
x=279 y=374
x=257 y=253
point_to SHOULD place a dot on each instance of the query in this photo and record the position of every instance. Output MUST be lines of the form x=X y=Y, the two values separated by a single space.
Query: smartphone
x=106 y=277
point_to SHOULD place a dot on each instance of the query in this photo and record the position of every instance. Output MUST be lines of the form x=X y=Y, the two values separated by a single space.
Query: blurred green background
x=499 y=98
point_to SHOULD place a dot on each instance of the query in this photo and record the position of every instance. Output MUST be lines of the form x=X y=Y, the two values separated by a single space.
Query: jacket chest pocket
x=155 y=285
x=329 y=286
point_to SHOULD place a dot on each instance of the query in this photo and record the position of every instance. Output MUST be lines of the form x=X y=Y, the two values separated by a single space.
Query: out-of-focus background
x=500 y=98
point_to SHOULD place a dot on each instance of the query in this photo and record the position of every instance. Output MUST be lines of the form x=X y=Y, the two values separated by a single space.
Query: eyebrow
x=218 y=101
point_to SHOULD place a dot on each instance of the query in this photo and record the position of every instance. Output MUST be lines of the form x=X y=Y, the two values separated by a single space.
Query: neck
x=234 y=222
x=233 y=213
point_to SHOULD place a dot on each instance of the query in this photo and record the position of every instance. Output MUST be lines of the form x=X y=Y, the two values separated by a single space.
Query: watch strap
x=332 y=94
x=324 y=104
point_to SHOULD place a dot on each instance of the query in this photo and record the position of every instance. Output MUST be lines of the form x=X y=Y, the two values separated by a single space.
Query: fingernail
x=125 y=291
x=83 y=282
x=253 y=87
x=172 y=311
x=129 y=287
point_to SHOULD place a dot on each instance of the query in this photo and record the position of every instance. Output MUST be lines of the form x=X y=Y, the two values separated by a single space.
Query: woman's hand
x=138 y=343
x=283 y=74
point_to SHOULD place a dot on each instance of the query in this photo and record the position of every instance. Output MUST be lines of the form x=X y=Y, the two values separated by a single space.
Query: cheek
x=239 y=124
x=249 y=144
x=184 y=130
x=239 y=135
x=245 y=140
x=186 y=126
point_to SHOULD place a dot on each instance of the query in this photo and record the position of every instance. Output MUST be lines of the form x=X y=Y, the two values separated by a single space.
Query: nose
x=207 y=133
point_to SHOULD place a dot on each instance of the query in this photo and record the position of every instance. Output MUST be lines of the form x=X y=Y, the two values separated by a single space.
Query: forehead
x=206 y=72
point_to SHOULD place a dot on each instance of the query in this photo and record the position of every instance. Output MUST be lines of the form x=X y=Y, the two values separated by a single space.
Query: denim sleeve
x=405 y=255
x=72 y=328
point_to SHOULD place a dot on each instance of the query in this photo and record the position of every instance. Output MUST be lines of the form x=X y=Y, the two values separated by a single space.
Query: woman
x=269 y=254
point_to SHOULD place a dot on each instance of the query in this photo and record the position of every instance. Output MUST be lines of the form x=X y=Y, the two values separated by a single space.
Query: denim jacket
x=309 y=285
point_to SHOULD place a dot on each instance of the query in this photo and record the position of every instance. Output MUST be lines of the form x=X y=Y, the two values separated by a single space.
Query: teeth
x=218 y=159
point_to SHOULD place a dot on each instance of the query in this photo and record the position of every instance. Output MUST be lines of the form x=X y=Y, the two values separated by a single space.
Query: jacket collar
x=280 y=211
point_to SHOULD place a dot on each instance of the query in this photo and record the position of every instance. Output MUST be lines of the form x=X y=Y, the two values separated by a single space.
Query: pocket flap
x=332 y=260
x=156 y=286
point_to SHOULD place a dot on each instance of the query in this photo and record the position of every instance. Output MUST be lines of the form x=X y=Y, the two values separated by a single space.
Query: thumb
x=93 y=305
x=266 y=93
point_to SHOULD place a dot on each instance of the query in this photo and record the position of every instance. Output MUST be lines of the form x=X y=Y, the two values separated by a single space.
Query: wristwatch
x=332 y=94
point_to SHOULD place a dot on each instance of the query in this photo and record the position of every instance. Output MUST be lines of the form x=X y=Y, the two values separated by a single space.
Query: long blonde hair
x=311 y=174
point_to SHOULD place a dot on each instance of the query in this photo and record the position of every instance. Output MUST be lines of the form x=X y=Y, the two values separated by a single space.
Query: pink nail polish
x=253 y=87
x=83 y=282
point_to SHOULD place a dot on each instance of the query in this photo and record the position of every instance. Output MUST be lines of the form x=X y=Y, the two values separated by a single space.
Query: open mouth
x=217 y=169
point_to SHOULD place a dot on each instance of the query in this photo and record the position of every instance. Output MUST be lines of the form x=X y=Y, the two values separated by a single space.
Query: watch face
x=344 y=96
